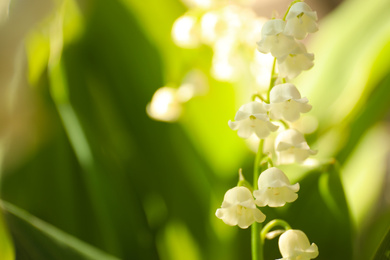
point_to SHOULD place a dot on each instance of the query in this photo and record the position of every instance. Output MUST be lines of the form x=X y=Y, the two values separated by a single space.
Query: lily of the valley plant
x=280 y=106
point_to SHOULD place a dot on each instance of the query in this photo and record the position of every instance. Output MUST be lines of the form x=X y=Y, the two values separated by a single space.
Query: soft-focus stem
x=285 y=124
x=255 y=241
x=272 y=80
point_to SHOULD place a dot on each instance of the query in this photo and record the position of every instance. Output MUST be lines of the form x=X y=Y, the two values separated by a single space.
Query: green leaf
x=38 y=239
x=383 y=252
x=6 y=247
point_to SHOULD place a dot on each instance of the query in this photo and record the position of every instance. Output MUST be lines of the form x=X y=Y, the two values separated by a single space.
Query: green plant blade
x=40 y=240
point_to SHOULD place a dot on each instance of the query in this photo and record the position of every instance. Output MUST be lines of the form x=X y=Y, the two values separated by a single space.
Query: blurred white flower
x=252 y=118
x=274 y=189
x=294 y=245
x=274 y=40
x=291 y=147
x=292 y=64
x=165 y=105
x=221 y=23
x=226 y=60
x=185 y=32
x=300 y=20
x=238 y=208
x=203 y=4
x=286 y=103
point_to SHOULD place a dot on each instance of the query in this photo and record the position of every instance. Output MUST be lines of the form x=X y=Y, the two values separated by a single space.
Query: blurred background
x=114 y=141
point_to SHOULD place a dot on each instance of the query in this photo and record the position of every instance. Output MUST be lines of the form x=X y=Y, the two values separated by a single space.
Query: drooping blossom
x=300 y=20
x=286 y=103
x=291 y=147
x=294 y=245
x=239 y=208
x=252 y=118
x=292 y=64
x=274 y=40
x=274 y=189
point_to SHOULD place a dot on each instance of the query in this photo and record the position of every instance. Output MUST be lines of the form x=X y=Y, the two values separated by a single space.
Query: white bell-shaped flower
x=291 y=147
x=239 y=208
x=300 y=20
x=294 y=245
x=274 y=189
x=291 y=65
x=274 y=40
x=286 y=103
x=251 y=119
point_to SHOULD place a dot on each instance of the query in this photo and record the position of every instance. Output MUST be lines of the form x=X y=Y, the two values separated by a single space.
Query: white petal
x=258 y=215
x=295 y=28
x=282 y=45
x=237 y=195
x=290 y=136
x=282 y=146
x=298 y=8
x=233 y=125
x=272 y=177
x=304 y=108
x=292 y=111
x=283 y=92
x=241 y=115
x=245 y=129
x=273 y=27
x=228 y=215
x=276 y=111
x=294 y=244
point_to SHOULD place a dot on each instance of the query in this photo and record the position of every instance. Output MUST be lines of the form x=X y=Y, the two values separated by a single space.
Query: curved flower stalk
x=294 y=245
x=238 y=208
x=291 y=147
x=286 y=103
x=251 y=119
x=274 y=189
x=300 y=21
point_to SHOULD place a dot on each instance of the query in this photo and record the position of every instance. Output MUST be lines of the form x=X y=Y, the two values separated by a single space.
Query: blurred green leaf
x=40 y=240
x=6 y=246
x=383 y=252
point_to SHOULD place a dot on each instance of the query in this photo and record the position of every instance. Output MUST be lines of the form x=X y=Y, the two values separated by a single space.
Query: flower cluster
x=279 y=37
x=239 y=206
x=281 y=106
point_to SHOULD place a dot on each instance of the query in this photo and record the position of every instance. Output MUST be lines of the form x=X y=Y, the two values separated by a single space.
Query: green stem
x=288 y=9
x=254 y=96
x=256 y=247
x=272 y=80
x=272 y=224
x=285 y=124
